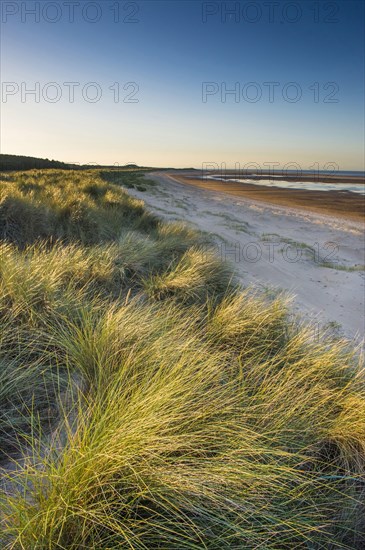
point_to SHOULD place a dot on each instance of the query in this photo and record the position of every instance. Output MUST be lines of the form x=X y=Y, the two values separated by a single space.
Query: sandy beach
x=315 y=257
x=339 y=203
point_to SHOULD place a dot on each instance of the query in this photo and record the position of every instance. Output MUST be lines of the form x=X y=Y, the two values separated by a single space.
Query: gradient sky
x=171 y=49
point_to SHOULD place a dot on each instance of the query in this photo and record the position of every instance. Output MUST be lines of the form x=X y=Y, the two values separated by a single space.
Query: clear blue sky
x=170 y=51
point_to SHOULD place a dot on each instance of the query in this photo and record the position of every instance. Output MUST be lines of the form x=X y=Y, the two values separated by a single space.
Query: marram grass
x=146 y=401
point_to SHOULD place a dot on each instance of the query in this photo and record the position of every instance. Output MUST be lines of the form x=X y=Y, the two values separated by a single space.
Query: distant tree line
x=20 y=162
x=17 y=162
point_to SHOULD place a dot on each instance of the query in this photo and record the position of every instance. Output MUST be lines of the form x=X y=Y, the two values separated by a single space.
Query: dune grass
x=147 y=402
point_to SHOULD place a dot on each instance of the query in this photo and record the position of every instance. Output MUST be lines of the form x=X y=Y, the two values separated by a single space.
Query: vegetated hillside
x=156 y=404
x=18 y=162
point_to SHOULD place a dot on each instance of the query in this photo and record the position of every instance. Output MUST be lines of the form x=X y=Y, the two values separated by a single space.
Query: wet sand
x=314 y=176
x=342 y=204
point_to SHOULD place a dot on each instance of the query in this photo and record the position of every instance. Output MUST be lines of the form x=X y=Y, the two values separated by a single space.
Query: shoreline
x=314 y=257
x=343 y=204
x=315 y=177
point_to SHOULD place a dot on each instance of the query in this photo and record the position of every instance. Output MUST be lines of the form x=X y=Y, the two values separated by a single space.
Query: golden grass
x=147 y=401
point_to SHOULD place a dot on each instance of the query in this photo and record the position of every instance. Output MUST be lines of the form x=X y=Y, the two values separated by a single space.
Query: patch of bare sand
x=338 y=203
x=317 y=258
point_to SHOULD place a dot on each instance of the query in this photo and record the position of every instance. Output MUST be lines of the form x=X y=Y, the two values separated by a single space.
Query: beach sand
x=343 y=204
x=315 y=257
